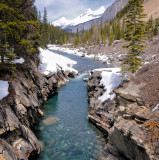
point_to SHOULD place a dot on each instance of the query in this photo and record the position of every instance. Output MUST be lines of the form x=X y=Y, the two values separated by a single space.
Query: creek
x=65 y=132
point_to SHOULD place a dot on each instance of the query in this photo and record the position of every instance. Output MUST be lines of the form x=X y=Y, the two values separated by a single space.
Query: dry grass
x=149 y=75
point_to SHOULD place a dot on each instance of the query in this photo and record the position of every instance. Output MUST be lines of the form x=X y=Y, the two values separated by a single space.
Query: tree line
x=112 y=30
x=129 y=25
x=50 y=34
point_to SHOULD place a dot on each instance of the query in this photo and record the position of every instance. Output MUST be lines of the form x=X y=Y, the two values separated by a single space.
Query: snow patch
x=51 y=61
x=111 y=78
x=3 y=89
x=155 y=108
x=21 y=60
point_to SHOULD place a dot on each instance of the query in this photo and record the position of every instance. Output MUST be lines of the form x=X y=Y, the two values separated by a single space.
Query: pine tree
x=156 y=28
x=150 y=28
x=45 y=30
x=118 y=33
x=75 y=41
x=76 y=38
x=108 y=30
x=134 y=35
x=65 y=39
x=18 y=32
x=104 y=35
x=98 y=40
x=111 y=37
x=61 y=41
x=123 y=29
x=85 y=39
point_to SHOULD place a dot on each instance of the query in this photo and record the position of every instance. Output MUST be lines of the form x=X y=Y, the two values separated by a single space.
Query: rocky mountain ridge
x=110 y=13
x=151 y=9
x=88 y=15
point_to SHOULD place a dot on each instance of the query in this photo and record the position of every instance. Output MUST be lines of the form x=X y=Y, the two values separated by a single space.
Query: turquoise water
x=70 y=136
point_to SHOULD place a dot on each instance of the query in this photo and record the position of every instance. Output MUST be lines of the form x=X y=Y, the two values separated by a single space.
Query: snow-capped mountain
x=86 y=16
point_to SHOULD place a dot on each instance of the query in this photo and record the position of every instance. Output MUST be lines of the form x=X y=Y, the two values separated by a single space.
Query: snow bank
x=111 y=78
x=50 y=62
x=82 y=52
x=3 y=89
x=66 y=50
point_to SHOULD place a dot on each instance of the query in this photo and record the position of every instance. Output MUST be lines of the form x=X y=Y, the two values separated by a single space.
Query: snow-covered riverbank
x=81 y=52
x=51 y=62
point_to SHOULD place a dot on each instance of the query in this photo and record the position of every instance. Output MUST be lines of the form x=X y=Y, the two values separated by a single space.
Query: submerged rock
x=51 y=142
x=50 y=120
x=42 y=145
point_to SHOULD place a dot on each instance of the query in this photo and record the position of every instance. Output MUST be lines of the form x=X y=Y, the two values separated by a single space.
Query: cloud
x=59 y=8
x=68 y=8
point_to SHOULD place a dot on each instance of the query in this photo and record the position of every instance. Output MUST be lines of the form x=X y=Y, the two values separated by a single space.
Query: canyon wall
x=20 y=110
x=131 y=128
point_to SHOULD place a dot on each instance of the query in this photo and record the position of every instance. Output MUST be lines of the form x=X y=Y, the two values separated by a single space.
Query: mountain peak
x=63 y=19
x=101 y=10
x=88 y=11
x=86 y=16
x=61 y=22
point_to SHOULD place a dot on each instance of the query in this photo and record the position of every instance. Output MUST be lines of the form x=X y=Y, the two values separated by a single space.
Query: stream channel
x=72 y=137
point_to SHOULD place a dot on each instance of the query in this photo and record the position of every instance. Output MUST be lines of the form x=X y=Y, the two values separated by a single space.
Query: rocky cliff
x=20 y=110
x=128 y=120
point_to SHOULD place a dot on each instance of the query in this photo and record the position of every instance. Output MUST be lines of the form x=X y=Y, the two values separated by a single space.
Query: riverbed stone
x=50 y=120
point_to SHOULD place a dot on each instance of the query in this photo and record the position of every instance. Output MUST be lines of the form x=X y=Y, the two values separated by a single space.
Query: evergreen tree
x=111 y=37
x=98 y=40
x=85 y=39
x=104 y=34
x=18 y=32
x=108 y=29
x=39 y=16
x=118 y=33
x=75 y=41
x=76 y=38
x=45 y=30
x=150 y=28
x=61 y=40
x=65 y=39
x=134 y=35
x=156 y=28
x=123 y=29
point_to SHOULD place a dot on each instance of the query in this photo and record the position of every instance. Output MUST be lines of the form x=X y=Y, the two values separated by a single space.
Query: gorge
x=89 y=94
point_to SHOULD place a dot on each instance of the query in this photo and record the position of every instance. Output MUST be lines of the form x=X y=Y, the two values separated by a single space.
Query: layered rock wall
x=131 y=127
x=20 y=110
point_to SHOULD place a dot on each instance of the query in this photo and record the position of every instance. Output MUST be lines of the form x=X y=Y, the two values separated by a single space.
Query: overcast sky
x=69 y=8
